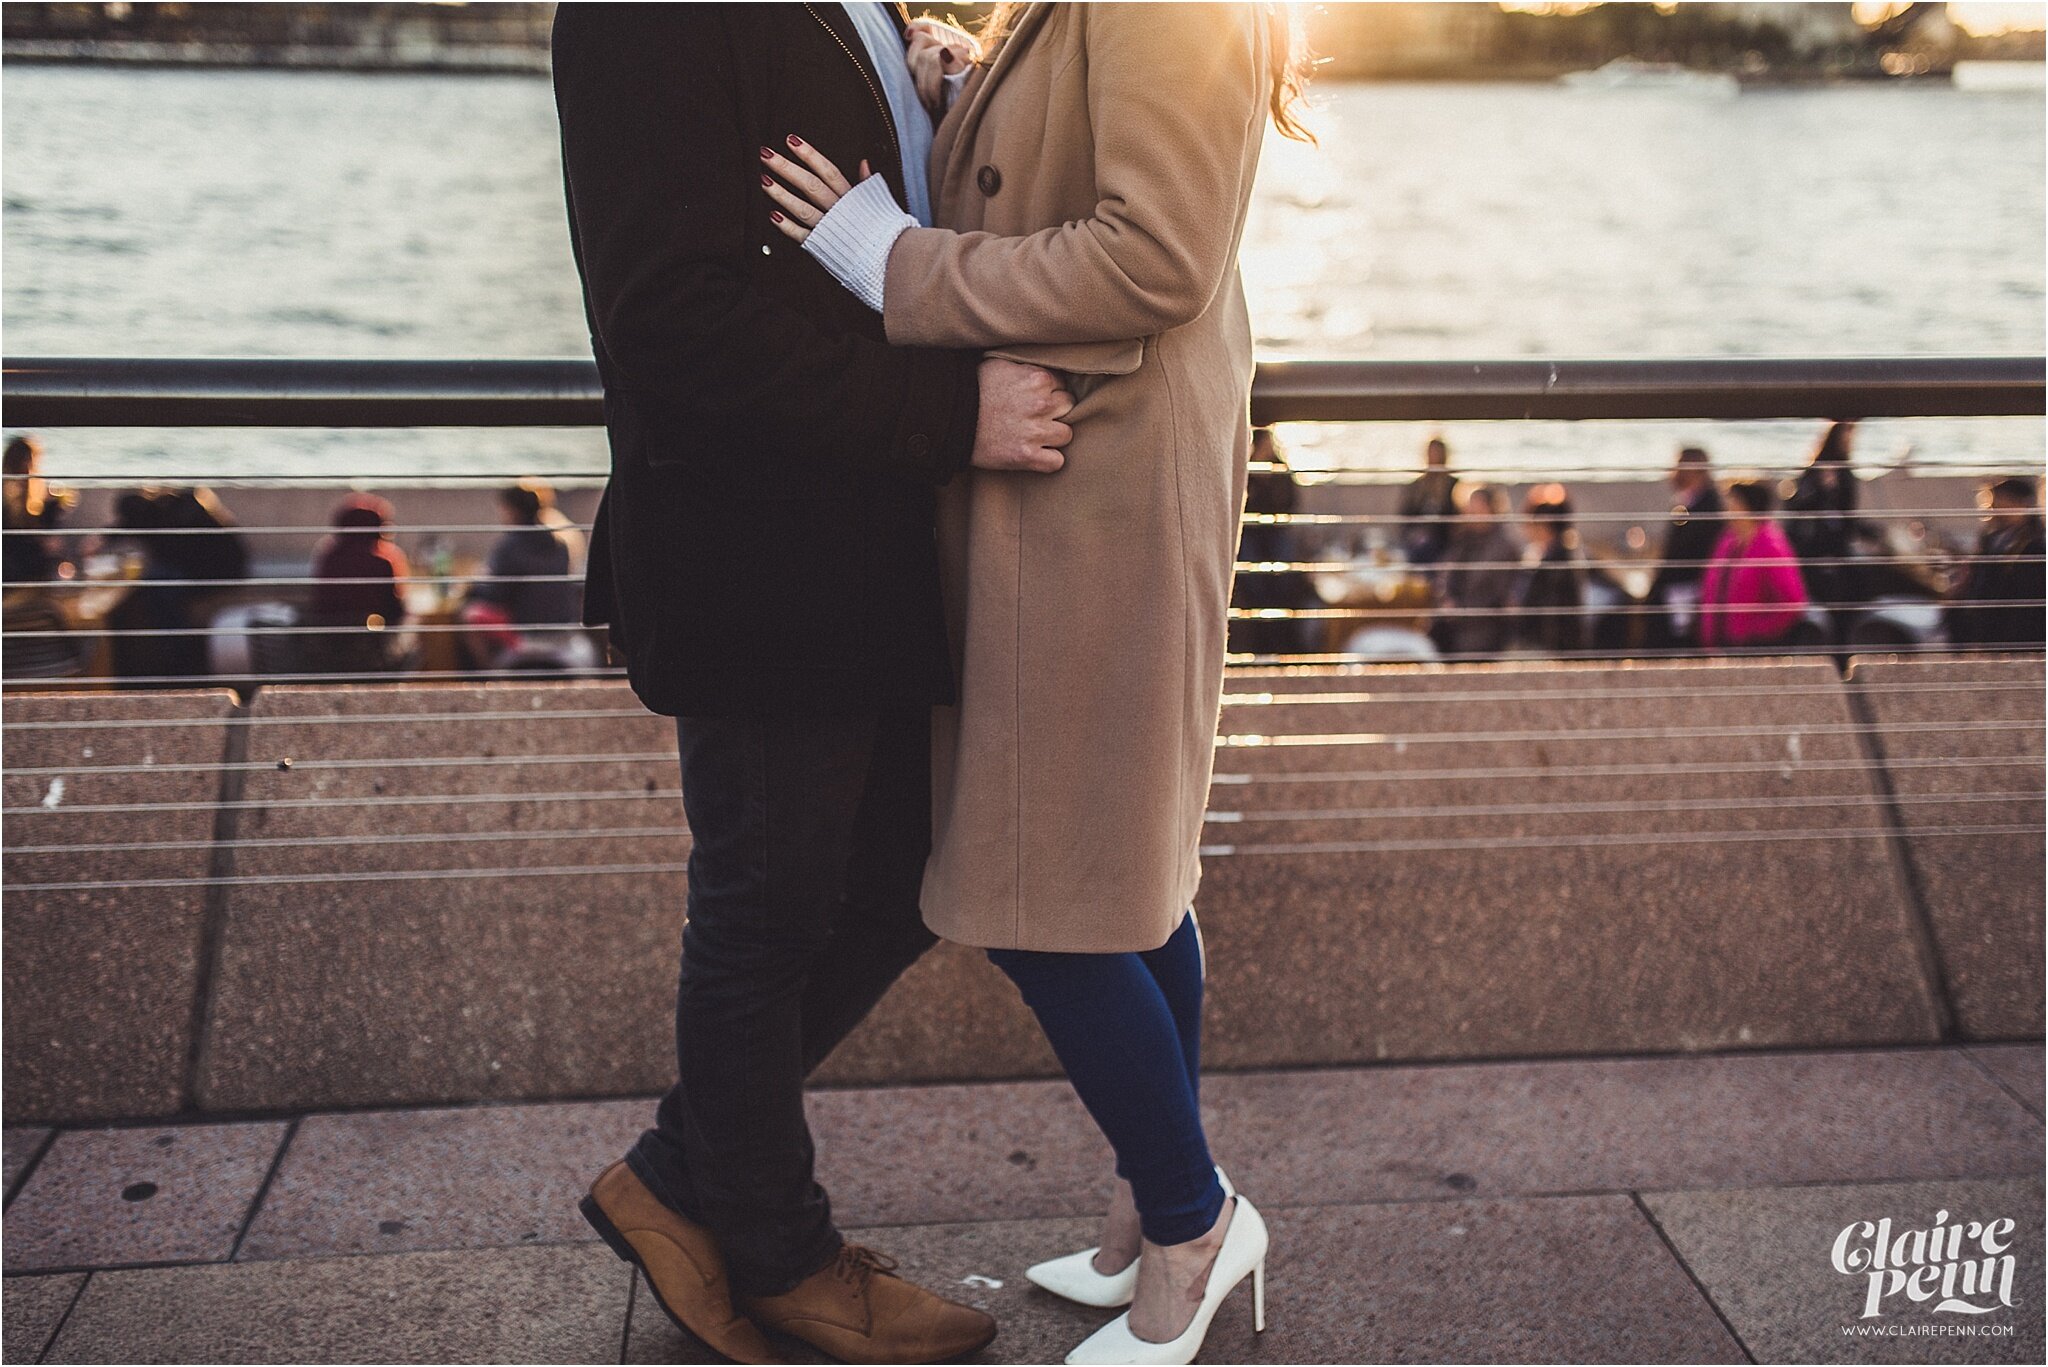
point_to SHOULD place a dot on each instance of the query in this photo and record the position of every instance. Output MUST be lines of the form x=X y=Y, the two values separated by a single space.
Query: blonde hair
x=1288 y=63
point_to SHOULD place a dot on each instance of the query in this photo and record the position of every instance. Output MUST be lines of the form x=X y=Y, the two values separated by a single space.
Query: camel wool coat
x=1091 y=183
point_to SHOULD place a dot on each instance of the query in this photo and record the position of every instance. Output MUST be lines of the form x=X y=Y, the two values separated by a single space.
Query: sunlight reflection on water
x=262 y=213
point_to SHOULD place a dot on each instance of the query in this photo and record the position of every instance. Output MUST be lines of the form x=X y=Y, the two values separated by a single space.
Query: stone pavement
x=1590 y=1210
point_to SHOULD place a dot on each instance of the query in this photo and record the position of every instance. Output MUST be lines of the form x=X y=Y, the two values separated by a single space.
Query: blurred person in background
x=1551 y=592
x=1689 y=542
x=1752 y=595
x=1481 y=571
x=1429 y=506
x=206 y=543
x=1822 y=525
x=360 y=592
x=34 y=511
x=1271 y=493
x=1999 y=599
x=529 y=602
x=189 y=552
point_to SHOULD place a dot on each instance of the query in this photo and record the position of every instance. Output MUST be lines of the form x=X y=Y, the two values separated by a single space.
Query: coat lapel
x=956 y=132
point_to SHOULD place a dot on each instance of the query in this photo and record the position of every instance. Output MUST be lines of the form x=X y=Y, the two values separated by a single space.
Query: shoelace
x=857 y=1264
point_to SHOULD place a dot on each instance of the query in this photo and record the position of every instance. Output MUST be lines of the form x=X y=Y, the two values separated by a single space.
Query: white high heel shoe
x=1243 y=1255
x=1075 y=1277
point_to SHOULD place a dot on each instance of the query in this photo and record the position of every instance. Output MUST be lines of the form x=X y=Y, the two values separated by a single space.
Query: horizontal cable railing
x=1225 y=742
x=1478 y=844
x=1252 y=519
x=1909 y=462
x=1310 y=734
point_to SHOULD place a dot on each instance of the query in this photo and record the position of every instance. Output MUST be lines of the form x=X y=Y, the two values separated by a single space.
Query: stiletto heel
x=1259 y=1297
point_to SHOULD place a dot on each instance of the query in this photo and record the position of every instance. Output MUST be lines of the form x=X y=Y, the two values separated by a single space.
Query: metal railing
x=179 y=392
x=152 y=392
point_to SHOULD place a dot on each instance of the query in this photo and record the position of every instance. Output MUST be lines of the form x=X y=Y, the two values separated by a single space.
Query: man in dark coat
x=764 y=560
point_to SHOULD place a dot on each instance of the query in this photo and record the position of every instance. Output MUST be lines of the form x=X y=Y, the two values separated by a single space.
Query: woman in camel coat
x=1092 y=181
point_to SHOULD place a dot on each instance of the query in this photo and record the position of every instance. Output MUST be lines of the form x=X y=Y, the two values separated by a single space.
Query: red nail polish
x=768 y=180
x=767 y=153
x=795 y=141
x=777 y=217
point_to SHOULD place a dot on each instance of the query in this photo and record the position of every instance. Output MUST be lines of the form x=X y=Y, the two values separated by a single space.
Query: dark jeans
x=1128 y=1030
x=810 y=836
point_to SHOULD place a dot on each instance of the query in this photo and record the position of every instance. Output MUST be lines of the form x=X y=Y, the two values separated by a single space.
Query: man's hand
x=1020 y=427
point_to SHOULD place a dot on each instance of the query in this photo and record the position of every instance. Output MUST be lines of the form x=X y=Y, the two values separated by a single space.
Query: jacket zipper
x=888 y=120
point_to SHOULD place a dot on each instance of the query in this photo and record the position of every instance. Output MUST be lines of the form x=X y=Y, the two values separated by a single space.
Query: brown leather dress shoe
x=682 y=1264
x=856 y=1311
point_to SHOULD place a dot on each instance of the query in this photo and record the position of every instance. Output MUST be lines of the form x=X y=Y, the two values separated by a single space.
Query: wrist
x=853 y=239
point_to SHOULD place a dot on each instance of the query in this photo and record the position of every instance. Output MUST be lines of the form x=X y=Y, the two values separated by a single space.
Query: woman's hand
x=935 y=51
x=811 y=190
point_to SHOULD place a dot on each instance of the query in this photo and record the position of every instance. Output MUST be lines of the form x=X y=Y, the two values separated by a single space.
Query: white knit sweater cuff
x=853 y=239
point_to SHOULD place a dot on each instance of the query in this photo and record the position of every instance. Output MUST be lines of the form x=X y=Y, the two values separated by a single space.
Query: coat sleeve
x=1176 y=100
x=661 y=184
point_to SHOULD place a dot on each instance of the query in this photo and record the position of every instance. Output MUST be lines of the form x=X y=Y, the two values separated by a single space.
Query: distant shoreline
x=518 y=61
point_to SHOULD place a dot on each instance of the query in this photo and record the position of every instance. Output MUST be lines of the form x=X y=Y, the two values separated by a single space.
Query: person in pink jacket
x=1753 y=595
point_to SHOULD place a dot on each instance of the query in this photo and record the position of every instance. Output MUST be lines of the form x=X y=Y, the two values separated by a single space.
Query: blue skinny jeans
x=1128 y=1030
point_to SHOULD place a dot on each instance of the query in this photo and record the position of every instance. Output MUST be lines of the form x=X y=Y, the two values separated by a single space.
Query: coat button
x=918 y=444
x=989 y=179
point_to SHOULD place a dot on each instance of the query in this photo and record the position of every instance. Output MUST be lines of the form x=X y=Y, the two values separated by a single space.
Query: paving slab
x=2022 y=1067
x=122 y=1197
x=101 y=982
x=560 y=1304
x=31 y=1308
x=992 y=1151
x=467 y=965
x=1456 y=1281
x=1962 y=740
x=1400 y=1133
x=397 y=1181
x=22 y=1143
x=481 y=1176
x=1573 y=1279
x=980 y=1264
x=1550 y=859
x=1404 y=1132
x=1767 y=1258
x=401 y=1181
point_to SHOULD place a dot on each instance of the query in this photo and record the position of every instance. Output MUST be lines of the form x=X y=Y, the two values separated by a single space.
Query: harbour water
x=262 y=213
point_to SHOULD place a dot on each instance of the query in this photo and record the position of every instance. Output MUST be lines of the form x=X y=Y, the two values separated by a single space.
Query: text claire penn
x=1966 y=1265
